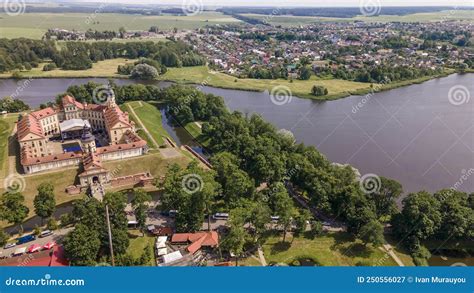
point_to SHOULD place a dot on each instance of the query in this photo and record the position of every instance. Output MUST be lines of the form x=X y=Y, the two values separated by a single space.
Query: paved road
x=56 y=237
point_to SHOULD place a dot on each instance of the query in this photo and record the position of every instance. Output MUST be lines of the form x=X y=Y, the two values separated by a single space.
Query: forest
x=24 y=54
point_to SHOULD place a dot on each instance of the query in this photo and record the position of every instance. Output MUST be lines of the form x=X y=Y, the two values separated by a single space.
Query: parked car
x=9 y=245
x=25 y=239
x=46 y=233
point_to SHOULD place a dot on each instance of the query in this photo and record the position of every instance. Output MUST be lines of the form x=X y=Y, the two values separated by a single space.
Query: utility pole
x=110 y=235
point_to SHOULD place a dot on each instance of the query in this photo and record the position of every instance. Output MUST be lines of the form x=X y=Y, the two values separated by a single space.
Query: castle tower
x=110 y=97
x=88 y=141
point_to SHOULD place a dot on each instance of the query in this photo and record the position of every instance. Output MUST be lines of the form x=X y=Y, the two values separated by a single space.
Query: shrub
x=144 y=72
x=49 y=67
x=319 y=90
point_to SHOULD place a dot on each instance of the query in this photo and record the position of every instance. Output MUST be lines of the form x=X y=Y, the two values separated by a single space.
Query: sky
x=313 y=3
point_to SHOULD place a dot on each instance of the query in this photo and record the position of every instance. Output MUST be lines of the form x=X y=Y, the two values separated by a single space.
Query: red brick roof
x=29 y=125
x=43 y=113
x=198 y=240
x=114 y=115
x=68 y=100
x=27 y=158
x=120 y=147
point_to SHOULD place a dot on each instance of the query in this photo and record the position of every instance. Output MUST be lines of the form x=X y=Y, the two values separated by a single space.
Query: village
x=329 y=47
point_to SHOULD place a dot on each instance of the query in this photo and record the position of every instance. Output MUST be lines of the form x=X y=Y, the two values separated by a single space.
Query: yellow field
x=106 y=68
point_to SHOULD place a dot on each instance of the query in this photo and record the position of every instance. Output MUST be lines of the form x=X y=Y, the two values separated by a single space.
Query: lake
x=415 y=134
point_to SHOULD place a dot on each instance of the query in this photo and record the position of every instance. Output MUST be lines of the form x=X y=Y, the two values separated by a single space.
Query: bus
x=25 y=239
x=220 y=216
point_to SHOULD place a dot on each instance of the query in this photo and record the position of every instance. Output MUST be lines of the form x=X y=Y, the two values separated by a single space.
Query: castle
x=73 y=133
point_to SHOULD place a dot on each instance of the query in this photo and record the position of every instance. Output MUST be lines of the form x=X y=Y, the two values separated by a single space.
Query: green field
x=34 y=25
x=300 y=88
x=331 y=249
x=292 y=21
x=6 y=126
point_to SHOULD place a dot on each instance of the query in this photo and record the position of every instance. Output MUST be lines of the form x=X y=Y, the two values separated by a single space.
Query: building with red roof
x=196 y=240
x=39 y=153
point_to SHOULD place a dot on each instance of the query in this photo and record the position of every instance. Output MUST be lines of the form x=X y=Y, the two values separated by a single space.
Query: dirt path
x=261 y=256
x=389 y=249
x=143 y=126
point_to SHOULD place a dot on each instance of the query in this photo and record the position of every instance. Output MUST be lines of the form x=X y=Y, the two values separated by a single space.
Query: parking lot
x=56 y=237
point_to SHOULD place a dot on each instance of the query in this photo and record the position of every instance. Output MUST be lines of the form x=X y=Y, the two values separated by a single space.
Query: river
x=414 y=134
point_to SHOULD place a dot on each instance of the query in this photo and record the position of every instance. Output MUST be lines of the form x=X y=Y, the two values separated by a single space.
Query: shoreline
x=330 y=97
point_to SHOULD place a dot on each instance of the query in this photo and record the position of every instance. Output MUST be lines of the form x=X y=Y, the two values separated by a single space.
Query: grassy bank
x=202 y=76
x=6 y=127
x=150 y=116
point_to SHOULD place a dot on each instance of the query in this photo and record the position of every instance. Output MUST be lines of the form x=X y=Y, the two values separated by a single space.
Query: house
x=196 y=240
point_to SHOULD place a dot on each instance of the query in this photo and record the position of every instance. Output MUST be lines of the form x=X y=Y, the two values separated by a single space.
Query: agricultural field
x=34 y=25
x=292 y=21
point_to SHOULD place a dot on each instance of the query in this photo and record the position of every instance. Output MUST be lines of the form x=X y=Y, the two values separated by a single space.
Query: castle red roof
x=43 y=113
x=29 y=125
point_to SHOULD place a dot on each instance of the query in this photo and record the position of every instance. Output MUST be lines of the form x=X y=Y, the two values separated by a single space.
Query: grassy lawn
x=193 y=129
x=138 y=244
x=34 y=25
x=106 y=68
x=150 y=116
x=152 y=163
x=6 y=125
x=331 y=249
x=251 y=261
x=300 y=88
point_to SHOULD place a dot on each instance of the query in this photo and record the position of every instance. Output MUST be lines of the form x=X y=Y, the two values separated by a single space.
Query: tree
x=234 y=241
x=236 y=184
x=419 y=219
x=372 y=232
x=457 y=216
x=319 y=90
x=12 y=208
x=140 y=196
x=122 y=32
x=140 y=214
x=82 y=245
x=44 y=202
x=52 y=224
x=282 y=206
x=316 y=228
x=302 y=220
x=384 y=198
x=304 y=73
x=144 y=72
x=3 y=237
